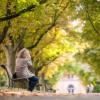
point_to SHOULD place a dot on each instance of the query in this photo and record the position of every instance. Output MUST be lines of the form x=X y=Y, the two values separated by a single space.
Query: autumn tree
x=27 y=28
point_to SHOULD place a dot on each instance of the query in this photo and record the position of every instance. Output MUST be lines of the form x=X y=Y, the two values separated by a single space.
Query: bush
x=3 y=77
x=97 y=88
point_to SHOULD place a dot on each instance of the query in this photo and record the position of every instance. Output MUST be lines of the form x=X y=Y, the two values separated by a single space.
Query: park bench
x=18 y=82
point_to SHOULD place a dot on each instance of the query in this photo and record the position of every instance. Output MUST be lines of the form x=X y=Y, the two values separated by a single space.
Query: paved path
x=53 y=97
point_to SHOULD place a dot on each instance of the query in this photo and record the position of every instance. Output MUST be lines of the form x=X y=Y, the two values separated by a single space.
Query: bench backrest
x=8 y=71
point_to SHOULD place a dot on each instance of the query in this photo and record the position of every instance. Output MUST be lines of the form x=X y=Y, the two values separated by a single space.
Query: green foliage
x=96 y=88
x=68 y=68
x=3 y=78
x=20 y=4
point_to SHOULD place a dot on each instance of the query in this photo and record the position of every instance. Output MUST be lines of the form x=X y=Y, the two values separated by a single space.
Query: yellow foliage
x=51 y=71
x=2 y=72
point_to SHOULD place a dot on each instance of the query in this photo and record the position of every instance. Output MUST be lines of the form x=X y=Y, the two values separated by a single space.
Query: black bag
x=14 y=75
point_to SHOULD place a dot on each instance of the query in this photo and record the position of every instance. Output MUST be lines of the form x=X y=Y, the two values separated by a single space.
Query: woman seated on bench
x=23 y=64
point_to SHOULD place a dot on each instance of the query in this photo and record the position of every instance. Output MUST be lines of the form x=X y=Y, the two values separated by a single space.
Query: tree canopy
x=55 y=32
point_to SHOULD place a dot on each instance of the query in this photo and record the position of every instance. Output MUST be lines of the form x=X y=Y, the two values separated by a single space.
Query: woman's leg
x=32 y=82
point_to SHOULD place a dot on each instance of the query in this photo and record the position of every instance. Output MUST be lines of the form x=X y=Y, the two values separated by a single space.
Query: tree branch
x=91 y=22
x=46 y=64
x=40 y=49
x=49 y=28
x=5 y=30
x=3 y=66
x=19 y=43
x=12 y=16
x=40 y=38
x=6 y=27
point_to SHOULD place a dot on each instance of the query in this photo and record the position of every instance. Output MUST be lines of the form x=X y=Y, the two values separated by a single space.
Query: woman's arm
x=30 y=66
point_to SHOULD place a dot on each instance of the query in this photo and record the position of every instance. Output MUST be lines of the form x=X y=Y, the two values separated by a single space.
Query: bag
x=14 y=76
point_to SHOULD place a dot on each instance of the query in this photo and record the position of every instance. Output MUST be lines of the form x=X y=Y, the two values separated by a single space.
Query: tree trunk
x=11 y=60
x=10 y=65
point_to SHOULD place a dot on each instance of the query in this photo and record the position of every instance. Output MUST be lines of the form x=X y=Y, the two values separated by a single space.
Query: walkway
x=46 y=96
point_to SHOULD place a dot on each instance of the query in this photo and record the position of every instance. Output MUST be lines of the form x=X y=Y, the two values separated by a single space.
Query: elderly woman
x=23 y=64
